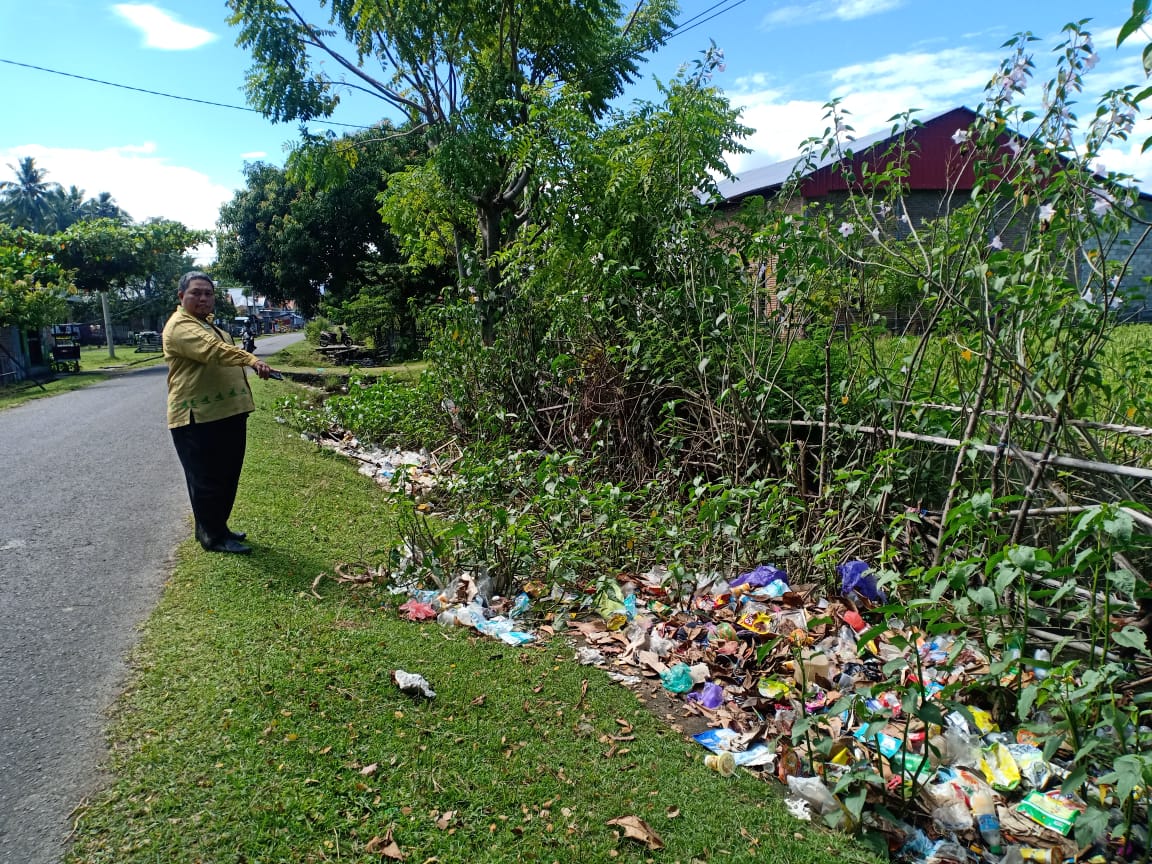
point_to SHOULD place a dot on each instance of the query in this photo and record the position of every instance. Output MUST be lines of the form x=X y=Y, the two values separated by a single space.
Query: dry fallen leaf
x=368 y=770
x=444 y=821
x=479 y=700
x=636 y=828
x=385 y=846
x=672 y=812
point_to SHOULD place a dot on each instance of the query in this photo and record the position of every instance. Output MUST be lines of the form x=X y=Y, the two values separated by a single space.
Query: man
x=209 y=401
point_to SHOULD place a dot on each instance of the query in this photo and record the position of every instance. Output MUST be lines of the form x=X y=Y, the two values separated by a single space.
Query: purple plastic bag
x=712 y=696
x=760 y=577
x=857 y=577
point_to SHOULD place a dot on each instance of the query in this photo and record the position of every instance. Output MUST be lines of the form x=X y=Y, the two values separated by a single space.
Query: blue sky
x=784 y=59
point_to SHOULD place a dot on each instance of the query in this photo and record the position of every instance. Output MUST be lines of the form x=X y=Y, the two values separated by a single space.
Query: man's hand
x=262 y=369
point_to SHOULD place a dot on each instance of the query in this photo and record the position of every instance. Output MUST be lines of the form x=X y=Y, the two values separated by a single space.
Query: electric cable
x=166 y=95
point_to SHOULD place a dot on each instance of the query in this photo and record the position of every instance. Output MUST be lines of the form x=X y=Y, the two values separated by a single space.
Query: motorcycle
x=329 y=337
x=250 y=343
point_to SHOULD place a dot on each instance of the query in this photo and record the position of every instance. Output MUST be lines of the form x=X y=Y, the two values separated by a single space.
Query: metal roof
x=769 y=178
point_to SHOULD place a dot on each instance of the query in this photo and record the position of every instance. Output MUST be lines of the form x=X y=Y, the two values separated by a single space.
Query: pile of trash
x=758 y=658
x=468 y=602
x=415 y=472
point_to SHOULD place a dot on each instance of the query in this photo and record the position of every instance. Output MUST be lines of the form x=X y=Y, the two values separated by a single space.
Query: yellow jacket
x=205 y=372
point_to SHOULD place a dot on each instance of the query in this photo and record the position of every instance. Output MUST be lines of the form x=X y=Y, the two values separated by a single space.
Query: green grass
x=303 y=357
x=96 y=357
x=25 y=391
x=93 y=361
x=256 y=711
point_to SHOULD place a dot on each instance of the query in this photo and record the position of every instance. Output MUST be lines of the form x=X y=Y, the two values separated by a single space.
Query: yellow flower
x=843 y=400
x=1131 y=412
x=966 y=354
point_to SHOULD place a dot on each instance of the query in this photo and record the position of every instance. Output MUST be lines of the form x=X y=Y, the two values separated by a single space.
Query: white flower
x=1015 y=146
x=996 y=243
x=960 y=136
x=875 y=232
x=1101 y=205
x=846 y=229
x=884 y=210
x=1047 y=211
x=1090 y=61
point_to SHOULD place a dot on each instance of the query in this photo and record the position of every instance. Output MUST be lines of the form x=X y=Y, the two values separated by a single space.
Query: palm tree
x=67 y=207
x=104 y=206
x=27 y=201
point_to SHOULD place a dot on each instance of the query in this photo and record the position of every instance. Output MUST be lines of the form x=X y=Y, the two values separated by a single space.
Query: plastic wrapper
x=1049 y=810
x=589 y=656
x=677 y=679
x=412 y=684
x=1035 y=773
x=712 y=696
x=727 y=741
x=759 y=577
x=858 y=578
x=951 y=817
x=813 y=790
x=609 y=605
x=414 y=610
x=999 y=768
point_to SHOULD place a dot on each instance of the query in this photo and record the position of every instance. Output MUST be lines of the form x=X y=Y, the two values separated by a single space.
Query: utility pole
x=107 y=324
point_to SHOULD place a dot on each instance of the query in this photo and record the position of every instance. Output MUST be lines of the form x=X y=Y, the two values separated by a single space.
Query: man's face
x=199 y=298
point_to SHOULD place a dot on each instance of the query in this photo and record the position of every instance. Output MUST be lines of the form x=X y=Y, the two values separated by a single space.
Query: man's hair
x=190 y=277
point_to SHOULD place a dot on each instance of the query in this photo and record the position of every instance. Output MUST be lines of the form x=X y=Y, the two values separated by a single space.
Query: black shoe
x=227 y=545
x=203 y=538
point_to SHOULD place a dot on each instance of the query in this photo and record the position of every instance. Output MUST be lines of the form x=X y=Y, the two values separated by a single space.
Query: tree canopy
x=473 y=74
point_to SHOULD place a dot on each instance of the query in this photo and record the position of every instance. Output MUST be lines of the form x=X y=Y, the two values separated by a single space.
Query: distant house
x=939 y=177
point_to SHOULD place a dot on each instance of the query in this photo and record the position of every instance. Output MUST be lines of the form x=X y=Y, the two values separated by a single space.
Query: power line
x=165 y=95
x=683 y=25
x=688 y=25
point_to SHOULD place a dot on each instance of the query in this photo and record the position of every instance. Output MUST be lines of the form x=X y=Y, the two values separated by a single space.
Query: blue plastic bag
x=857 y=577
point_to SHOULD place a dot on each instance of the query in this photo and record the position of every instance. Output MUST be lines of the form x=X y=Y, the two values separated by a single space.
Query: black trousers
x=212 y=455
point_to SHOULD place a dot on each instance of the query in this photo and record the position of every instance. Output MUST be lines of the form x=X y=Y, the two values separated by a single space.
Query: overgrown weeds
x=653 y=397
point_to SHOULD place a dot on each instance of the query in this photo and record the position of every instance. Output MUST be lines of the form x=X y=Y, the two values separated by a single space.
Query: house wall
x=12 y=359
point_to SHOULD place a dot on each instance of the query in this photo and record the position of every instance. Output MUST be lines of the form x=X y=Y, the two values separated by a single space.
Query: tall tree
x=104 y=206
x=67 y=207
x=472 y=72
x=33 y=283
x=106 y=254
x=26 y=202
x=287 y=237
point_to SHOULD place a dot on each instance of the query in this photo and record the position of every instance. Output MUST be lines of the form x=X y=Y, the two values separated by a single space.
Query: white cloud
x=874 y=92
x=936 y=75
x=161 y=29
x=143 y=184
x=823 y=10
x=255 y=154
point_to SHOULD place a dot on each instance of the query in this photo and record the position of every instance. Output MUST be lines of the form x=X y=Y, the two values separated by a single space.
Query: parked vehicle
x=332 y=337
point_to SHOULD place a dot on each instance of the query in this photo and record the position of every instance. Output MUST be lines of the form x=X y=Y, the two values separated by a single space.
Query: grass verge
x=25 y=391
x=303 y=357
x=262 y=725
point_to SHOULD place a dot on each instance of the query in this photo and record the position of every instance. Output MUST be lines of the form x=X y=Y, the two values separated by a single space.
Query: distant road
x=92 y=505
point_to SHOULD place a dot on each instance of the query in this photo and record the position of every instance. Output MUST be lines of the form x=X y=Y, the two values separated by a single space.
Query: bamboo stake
x=1051 y=459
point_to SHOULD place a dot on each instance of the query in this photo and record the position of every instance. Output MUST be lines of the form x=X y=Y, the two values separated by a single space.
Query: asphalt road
x=92 y=506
